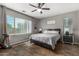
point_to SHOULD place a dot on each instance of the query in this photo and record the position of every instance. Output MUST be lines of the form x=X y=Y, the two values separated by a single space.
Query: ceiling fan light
x=39 y=10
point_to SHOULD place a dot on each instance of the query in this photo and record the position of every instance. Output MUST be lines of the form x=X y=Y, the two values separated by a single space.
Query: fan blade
x=41 y=12
x=34 y=10
x=32 y=5
x=42 y=4
x=45 y=8
x=39 y=5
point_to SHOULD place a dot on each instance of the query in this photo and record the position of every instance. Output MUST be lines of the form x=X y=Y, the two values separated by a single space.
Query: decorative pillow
x=46 y=31
x=52 y=32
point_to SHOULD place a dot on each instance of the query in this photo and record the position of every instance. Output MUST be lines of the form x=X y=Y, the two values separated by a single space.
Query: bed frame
x=44 y=44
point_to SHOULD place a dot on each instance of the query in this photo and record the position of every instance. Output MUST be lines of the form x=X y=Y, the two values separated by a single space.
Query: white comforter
x=48 y=38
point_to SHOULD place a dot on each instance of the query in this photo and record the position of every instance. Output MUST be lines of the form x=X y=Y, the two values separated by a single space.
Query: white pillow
x=50 y=32
x=45 y=31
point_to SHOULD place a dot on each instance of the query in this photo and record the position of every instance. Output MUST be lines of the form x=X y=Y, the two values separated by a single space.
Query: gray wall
x=19 y=15
x=59 y=23
x=15 y=14
x=15 y=38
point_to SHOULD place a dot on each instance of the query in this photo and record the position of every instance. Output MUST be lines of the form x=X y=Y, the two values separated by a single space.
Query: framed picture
x=51 y=22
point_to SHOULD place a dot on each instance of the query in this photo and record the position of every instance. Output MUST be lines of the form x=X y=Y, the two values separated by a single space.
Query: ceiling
x=55 y=8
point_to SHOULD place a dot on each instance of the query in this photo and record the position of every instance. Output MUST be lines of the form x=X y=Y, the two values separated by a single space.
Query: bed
x=48 y=38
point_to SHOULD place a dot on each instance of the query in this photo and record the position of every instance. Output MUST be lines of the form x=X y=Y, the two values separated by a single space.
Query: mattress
x=48 y=38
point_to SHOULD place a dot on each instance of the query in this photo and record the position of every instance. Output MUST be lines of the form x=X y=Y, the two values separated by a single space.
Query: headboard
x=57 y=29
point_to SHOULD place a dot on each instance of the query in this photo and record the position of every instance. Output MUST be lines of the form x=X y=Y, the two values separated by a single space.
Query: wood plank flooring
x=35 y=50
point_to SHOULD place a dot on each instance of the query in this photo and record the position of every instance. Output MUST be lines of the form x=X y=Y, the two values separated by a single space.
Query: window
x=29 y=26
x=18 y=25
x=10 y=24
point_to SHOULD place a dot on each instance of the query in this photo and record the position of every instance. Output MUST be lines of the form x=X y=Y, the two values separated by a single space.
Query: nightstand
x=40 y=32
x=68 y=38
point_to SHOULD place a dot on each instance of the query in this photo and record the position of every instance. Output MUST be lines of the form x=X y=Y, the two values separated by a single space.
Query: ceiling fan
x=39 y=8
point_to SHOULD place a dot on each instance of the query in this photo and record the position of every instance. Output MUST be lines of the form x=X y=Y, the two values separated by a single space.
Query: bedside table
x=68 y=38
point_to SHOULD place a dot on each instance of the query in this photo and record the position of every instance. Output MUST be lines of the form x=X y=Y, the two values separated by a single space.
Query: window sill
x=20 y=33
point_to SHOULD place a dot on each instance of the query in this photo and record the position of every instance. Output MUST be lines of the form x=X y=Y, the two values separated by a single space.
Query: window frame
x=7 y=27
x=14 y=30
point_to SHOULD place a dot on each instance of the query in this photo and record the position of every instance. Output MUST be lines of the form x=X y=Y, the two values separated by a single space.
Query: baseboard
x=15 y=43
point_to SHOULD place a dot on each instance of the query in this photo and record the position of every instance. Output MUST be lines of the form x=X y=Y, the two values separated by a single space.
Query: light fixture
x=39 y=10
x=40 y=29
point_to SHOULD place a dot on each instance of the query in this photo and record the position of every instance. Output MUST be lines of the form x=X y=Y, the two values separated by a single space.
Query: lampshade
x=40 y=29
